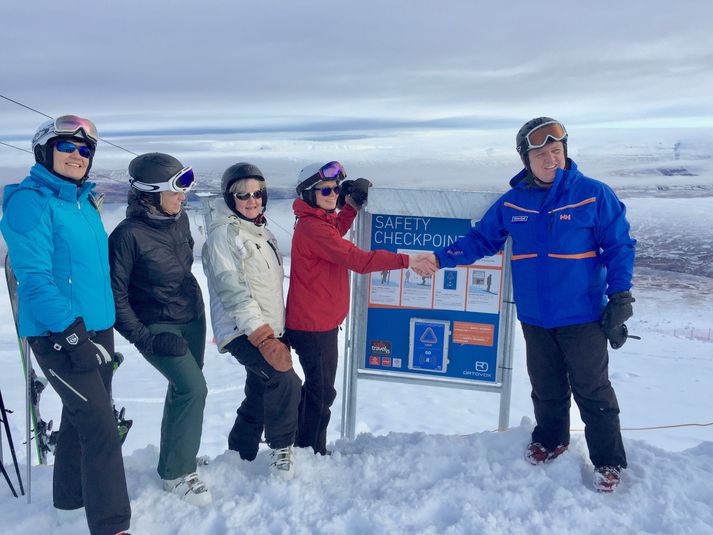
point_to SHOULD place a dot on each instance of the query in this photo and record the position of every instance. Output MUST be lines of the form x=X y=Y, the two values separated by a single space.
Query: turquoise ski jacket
x=570 y=247
x=59 y=252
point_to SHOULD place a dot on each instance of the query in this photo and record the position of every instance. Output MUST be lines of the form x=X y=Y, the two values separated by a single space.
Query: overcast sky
x=144 y=67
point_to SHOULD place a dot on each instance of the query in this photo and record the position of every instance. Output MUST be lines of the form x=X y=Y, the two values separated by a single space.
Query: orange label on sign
x=475 y=334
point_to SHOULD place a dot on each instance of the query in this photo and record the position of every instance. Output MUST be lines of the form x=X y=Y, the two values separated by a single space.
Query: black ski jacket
x=151 y=258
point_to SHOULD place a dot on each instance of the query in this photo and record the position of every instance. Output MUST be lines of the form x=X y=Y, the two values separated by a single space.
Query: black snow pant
x=88 y=467
x=271 y=400
x=318 y=354
x=573 y=360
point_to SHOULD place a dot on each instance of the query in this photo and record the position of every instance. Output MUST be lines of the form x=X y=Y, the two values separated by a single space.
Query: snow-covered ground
x=426 y=459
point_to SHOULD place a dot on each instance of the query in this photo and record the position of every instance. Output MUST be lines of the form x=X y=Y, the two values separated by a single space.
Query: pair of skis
x=37 y=428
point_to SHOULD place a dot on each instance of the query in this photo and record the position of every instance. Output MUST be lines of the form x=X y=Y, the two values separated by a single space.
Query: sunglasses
x=71 y=125
x=540 y=135
x=326 y=192
x=69 y=148
x=259 y=194
x=181 y=182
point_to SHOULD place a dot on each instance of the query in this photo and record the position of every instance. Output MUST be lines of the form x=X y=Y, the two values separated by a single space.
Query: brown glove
x=261 y=334
x=276 y=354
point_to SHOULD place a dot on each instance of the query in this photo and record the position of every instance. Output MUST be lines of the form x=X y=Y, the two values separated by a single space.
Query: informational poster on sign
x=443 y=326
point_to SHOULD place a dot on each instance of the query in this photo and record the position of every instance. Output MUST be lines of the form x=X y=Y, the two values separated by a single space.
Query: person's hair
x=241 y=186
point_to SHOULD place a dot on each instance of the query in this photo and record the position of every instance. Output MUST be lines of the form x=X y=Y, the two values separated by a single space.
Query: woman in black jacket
x=159 y=308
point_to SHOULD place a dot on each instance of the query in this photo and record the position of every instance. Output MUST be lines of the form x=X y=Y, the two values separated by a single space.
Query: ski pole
x=7 y=478
x=3 y=414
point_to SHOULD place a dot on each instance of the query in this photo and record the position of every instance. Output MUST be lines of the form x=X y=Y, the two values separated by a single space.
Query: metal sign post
x=453 y=329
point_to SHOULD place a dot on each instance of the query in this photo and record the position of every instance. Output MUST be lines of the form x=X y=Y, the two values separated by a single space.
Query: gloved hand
x=84 y=354
x=168 y=345
x=357 y=189
x=618 y=310
x=272 y=350
x=276 y=354
x=617 y=336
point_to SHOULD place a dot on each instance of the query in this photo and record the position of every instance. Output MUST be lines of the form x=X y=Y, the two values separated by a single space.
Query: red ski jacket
x=318 y=297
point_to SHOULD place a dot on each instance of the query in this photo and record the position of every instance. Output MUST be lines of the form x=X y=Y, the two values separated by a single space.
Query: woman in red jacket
x=318 y=297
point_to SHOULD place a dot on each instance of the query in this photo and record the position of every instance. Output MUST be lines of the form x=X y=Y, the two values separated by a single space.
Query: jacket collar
x=64 y=189
x=303 y=209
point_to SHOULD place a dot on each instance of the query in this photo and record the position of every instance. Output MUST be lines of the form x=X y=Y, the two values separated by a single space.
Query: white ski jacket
x=245 y=273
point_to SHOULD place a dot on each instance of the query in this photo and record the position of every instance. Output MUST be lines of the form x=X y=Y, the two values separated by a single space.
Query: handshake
x=424 y=264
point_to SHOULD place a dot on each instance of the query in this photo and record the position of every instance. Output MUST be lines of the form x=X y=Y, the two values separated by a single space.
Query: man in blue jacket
x=572 y=264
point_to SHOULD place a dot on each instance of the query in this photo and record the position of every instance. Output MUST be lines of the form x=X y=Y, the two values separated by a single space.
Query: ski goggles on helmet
x=542 y=134
x=71 y=125
x=181 y=182
x=67 y=146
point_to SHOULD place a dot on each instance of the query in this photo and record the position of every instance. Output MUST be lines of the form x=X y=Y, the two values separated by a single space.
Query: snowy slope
x=426 y=459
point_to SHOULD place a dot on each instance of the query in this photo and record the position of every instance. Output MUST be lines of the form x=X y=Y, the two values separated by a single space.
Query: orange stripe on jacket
x=521 y=256
x=588 y=254
x=510 y=205
x=586 y=201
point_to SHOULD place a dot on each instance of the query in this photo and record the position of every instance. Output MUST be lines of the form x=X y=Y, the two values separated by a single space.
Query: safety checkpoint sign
x=445 y=327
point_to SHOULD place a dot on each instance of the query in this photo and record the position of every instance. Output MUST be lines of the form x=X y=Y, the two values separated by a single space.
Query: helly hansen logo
x=519 y=218
x=567 y=217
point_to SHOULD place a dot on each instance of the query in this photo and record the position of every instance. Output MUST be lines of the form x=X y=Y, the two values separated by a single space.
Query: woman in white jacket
x=245 y=275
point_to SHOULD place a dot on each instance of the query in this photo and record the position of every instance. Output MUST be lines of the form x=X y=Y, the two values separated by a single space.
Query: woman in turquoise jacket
x=59 y=252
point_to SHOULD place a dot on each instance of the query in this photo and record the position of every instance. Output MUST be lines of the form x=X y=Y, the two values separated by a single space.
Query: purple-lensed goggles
x=181 y=182
x=330 y=171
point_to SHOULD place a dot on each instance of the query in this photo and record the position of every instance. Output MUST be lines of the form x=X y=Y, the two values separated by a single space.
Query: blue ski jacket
x=59 y=252
x=570 y=247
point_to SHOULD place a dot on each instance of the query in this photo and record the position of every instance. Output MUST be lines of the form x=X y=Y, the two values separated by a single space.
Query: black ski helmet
x=521 y=143
x=70 y=127
x=241 y=171
x=153 y=168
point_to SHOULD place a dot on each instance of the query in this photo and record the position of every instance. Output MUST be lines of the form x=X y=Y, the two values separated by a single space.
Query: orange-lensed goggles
x=542 y=134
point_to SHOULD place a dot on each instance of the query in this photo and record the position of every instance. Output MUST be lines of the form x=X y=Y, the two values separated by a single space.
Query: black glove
x=168 y=345
x=358 y=189
x=617 y=336
x=84 y=354
x=618 y=310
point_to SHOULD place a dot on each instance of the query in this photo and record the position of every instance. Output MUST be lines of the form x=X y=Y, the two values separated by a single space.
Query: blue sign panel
x=442 y=326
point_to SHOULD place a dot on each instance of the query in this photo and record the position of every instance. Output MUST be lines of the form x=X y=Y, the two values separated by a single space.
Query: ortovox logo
x=568 y=217
x=519 y=218
x=481 y=366
x=73 y=339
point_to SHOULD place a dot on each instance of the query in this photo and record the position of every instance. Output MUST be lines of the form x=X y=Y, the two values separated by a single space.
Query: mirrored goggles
x=254 y=194
x=69 y=147
x=542 y=134
x=329 y=171
x=71 y=125
x=181 y=182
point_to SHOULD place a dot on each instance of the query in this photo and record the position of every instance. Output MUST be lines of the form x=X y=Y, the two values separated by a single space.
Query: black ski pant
x=318 y=354
x=271 y=400
x=182 y=422
x=573 y=360
x=88 y=467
